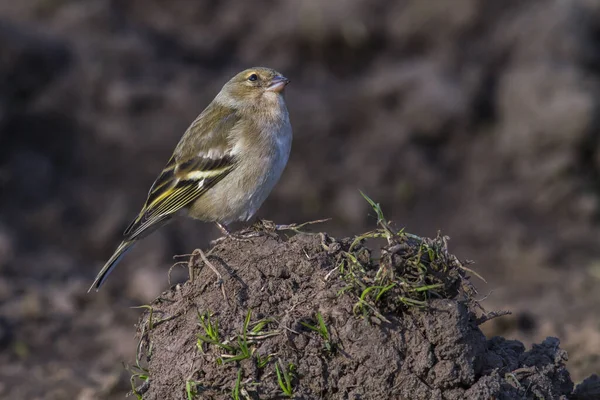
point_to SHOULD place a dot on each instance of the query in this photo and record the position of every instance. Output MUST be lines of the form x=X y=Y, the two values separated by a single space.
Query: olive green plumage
x=226 y=163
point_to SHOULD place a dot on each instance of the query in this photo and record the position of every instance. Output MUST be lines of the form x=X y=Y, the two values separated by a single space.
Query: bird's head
x=253 y=87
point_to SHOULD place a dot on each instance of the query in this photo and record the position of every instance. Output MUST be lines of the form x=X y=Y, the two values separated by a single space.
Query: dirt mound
x=311 y=317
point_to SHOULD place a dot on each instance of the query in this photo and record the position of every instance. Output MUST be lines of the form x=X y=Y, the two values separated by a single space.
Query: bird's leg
x=226 y=234
x=223 y=229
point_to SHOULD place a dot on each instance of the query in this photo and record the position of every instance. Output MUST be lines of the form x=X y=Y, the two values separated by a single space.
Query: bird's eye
x=253 y=77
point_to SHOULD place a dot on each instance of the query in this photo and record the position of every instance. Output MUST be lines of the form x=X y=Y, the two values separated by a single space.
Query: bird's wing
x=202 y=158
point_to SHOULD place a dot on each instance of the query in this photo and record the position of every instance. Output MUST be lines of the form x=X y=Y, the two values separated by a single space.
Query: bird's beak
x=278 y=84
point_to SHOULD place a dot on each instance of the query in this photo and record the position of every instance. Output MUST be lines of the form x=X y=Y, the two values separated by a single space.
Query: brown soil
x=434 y=352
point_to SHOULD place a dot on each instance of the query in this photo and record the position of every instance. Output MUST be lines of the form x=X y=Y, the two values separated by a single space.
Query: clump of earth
x=312 y=317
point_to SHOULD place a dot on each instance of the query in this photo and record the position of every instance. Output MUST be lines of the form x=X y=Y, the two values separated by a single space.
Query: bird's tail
x=111 y=264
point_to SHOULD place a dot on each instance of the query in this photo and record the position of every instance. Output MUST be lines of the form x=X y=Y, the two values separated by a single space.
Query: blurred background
x=477 y=118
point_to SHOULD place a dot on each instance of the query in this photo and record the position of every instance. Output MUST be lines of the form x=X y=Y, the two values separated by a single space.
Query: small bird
x=226 y=163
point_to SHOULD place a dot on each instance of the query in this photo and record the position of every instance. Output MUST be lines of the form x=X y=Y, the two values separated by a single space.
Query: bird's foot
x=261 y=228
x=243 y=236
x=264 y=226
x=271 y=227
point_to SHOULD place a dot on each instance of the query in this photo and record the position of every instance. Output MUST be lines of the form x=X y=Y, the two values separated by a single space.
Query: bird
x=225 y=164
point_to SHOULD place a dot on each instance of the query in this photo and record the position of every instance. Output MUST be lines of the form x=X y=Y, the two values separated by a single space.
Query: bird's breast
x=267 y=171
x=261 y=161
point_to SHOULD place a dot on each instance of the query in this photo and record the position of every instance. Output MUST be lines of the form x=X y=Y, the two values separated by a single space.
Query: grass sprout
x=235 y=393
x=262 y=362
x=191 y=389
x=211 y=333
x=322 y=330
x=284 y=378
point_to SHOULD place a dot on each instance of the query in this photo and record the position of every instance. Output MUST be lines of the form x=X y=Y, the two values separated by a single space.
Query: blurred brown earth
x=478 y=118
